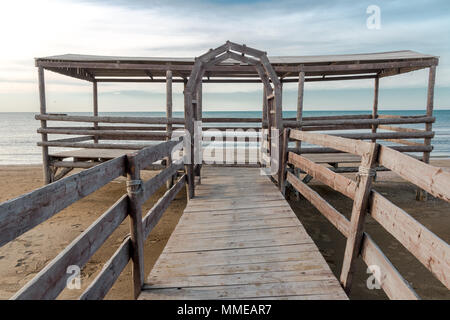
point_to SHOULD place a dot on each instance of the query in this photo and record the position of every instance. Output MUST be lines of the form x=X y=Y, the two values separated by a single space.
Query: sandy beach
x=21 y=259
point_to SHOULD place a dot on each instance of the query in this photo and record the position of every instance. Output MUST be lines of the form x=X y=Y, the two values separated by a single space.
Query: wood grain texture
x=25 y=212
x=247 y=245
x=112 y=269
x=51 y=280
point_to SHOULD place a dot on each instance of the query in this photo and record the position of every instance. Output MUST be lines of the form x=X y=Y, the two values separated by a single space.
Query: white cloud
x=47 y=27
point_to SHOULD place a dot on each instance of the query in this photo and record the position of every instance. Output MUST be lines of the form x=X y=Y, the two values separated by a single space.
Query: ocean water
x=18 y=136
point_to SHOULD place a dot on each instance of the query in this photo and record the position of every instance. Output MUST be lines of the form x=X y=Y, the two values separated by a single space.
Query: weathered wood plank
x=336 y=181
x=430 y=250
x=335 y=217
x=110 y=119
x=157 y=152
x=359 y=208
x=432 y=179
x=154 y=214
x=390 y=279
x=51 y=280
x=347 y=145
x=112 y=269
x=21 y=214
x=153 y=184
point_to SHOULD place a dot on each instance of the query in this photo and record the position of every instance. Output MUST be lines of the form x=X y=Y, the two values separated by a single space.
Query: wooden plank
x=360 y=204
x=128 y=146
x=21 y=214
x=112 y=269
x=347 y=145
x=430 y=250
x=230 y=245
x=245 y=291
x=133 y=135
x=305 y=151
x=390 y=280
x=153 y=184
x=51 y=280
x=44 y=137
x=154 y=214
x=151 y=154
x=432 y=179
x=237 y=279
x=336 y=181
x=134 y=190
x=380 y=120
x=110 y=119
x=338 y=220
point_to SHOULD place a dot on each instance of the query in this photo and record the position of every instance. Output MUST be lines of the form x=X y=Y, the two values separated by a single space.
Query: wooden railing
x=21 y=214
x=429 y=249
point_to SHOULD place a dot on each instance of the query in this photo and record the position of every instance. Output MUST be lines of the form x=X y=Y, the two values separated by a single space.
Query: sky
x=40 y=28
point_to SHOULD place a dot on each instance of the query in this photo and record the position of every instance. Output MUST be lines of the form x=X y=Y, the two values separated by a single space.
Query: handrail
x=25 y=212
x=429 y=249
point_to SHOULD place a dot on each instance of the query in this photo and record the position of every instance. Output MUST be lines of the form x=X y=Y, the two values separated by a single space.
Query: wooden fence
x=429 y=249
x=19 y=215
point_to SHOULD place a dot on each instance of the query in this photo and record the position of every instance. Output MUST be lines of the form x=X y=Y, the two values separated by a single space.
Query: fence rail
x=428 y=248
x=19 y=215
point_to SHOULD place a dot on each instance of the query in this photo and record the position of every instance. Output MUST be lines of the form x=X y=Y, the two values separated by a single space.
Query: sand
x=21 y=259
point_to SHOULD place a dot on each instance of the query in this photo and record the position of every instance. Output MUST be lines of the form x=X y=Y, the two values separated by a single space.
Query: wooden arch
x=269 y=78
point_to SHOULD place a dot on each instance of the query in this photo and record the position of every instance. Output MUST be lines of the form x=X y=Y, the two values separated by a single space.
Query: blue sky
x=188 y=28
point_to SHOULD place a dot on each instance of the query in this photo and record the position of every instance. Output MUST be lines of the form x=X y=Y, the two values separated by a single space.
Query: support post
x=43 y=110
x=278 y=106
x=375 y=106
x=134 y=189
x=263 y=121
x=189 y=126
x=300 y=98
x=422 y=195
x=169 y=183
x=284 y=158
x=95 y=105
x=360 y=204
x=198 y=114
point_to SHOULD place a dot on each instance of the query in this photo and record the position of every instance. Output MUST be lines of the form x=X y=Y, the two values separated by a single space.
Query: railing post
x=421 y=195
x=360 y=204
x=95 y=106
x=134 y=189
x=48 y=175
x=169 y=128
x=284 y=158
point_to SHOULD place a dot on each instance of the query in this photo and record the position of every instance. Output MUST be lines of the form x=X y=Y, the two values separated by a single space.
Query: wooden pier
x=239 y=239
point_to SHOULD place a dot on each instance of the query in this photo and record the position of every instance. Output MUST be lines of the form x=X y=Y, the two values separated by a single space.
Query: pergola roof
x=320 y=67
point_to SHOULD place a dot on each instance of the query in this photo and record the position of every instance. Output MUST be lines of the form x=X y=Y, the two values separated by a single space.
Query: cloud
x=181 y=28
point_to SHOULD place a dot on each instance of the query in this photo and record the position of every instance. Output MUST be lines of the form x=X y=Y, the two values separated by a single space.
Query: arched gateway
x=272 y=88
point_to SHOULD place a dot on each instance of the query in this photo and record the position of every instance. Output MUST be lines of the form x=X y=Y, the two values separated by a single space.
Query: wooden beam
x=135 y=192
x=390 y=279
x=338 y=220
x=110 y=119
x=428 y=248
x=44 y=138
x=21 y=214
x=300 y=95
x=169 y=103
x=95 y=105
x=360 y=205
x=51 y=280
x=420 y=194
x=112 y=269
x=375 y=106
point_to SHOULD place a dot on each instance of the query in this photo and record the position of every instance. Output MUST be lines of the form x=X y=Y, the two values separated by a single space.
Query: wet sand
x=21 y=259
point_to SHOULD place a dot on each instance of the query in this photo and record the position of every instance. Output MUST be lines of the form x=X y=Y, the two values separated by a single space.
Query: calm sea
x=18 y=135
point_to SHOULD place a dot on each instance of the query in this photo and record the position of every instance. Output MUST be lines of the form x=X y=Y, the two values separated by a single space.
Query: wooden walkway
x=239 y=239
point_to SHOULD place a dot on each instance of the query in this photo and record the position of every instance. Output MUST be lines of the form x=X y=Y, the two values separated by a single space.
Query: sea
x=18 y=130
